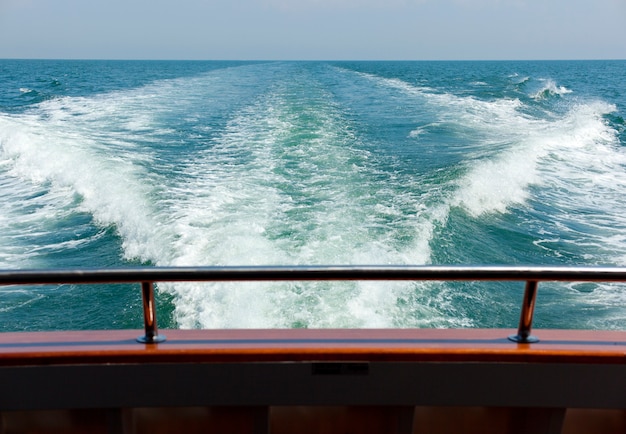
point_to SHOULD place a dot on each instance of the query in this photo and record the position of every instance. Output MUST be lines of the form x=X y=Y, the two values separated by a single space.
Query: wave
x=32 y=96
x=108 y=156
x=211 y=170
x=548 y=89
x=276 y=221
x=67 y=164
x=514 y=144
x=557 y=173
x=282 y=180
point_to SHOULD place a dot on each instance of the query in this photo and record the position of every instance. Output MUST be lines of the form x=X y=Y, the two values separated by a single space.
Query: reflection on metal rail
x=147 y=276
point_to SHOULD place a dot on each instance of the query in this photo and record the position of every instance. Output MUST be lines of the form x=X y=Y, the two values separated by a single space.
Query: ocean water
x=128 y=163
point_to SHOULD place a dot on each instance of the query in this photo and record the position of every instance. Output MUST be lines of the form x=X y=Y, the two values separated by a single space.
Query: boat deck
x=313 y=381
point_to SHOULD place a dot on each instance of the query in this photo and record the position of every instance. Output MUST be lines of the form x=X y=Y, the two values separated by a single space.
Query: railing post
x=149 y=315
x=523 y=335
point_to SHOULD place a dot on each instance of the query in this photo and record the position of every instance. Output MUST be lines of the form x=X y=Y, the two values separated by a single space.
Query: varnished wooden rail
x=147 y=276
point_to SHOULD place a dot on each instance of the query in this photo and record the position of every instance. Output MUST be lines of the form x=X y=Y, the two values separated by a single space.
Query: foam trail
x=293 y=201
x=287 y=182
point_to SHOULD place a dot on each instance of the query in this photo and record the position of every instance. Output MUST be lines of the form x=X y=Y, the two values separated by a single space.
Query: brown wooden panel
x=341 y=419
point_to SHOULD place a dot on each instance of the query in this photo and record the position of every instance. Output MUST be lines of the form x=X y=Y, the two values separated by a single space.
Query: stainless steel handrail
x=147 y=276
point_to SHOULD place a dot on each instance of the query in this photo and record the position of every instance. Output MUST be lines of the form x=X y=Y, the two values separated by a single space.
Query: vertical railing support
x=523 y=335
x=149 y=316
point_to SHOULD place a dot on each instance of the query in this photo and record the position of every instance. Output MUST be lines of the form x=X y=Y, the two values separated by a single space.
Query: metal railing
x=147 y=276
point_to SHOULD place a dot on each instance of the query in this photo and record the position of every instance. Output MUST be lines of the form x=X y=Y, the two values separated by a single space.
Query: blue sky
x=313 y=29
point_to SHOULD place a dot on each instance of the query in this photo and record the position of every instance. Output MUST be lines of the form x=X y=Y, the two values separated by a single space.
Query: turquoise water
x=118 y=163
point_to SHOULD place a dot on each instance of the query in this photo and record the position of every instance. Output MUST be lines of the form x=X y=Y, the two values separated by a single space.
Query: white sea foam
x=303 y=185
x=67 y=158
x=522 y=147
x=287 y=181
x=99 y=149
x=506 y=166
x=569 y=164
x=494 y=185
x=228 y=205
x=587 y=163
x=550 y=88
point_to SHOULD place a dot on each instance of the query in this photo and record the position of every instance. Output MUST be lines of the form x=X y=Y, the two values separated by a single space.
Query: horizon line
x=310 y=60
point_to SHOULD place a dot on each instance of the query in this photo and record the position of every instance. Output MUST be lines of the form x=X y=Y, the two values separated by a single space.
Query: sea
x=111 y=164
